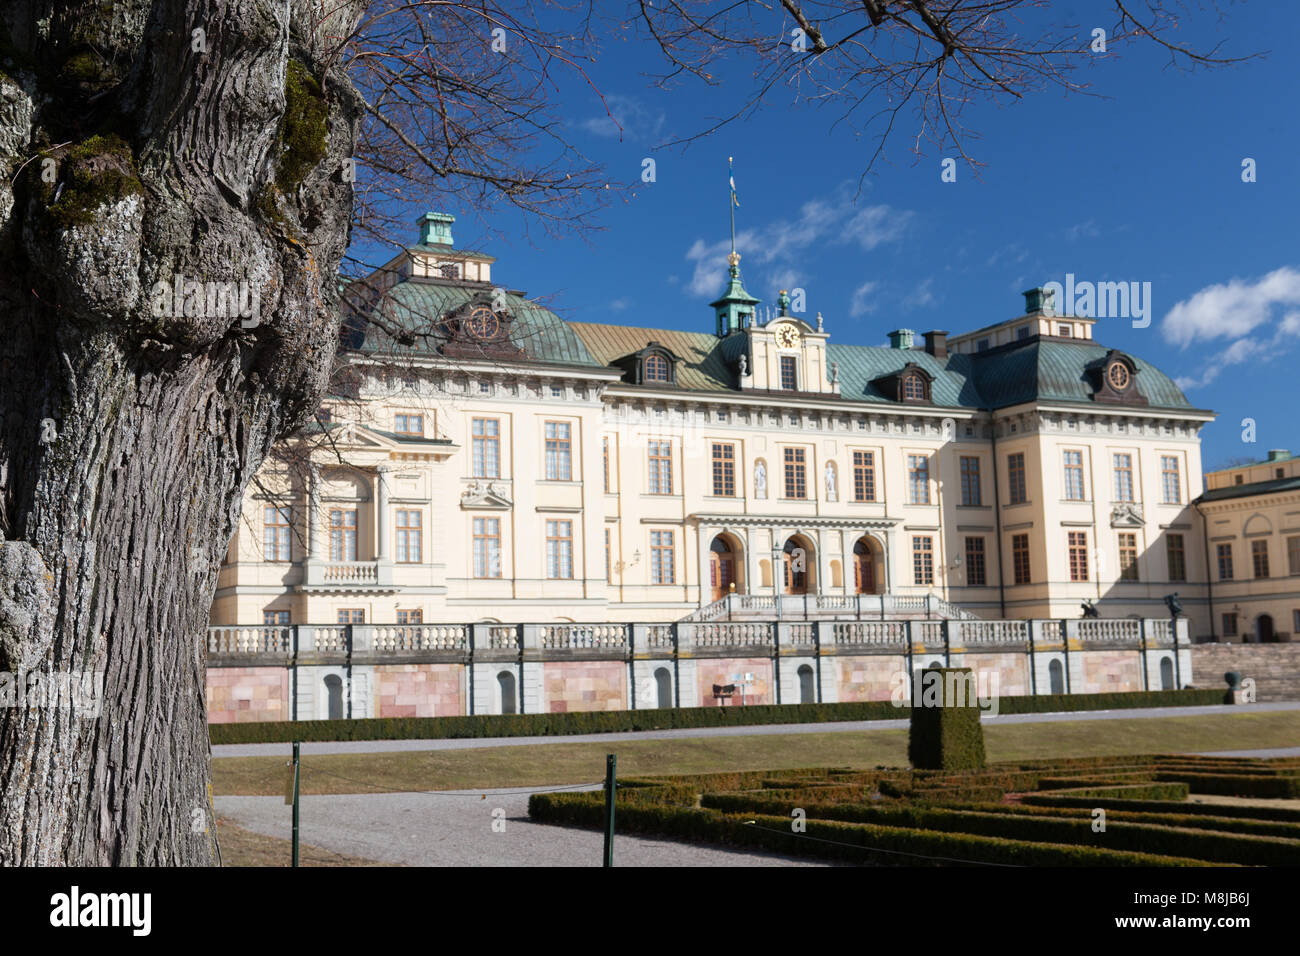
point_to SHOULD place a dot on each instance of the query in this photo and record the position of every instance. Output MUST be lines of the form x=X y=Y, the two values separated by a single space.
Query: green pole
x=611 y=766
x=295 y=802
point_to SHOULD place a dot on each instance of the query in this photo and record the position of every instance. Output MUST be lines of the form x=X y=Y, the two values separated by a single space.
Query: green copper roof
x=860 y=365
x=1254 y=488
x=418 y=306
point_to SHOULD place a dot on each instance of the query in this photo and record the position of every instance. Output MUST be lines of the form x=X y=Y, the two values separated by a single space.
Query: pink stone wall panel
x=722 y=670
x=867 y=678
x=1012 y=671
x=418 y=690
x=239 y=694
x=585 y=685
x=1107 y=672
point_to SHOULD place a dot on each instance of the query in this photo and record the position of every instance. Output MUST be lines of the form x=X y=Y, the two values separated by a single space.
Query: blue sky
x=1142 y=183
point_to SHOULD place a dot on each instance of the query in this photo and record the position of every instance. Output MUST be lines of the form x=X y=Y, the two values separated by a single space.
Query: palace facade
x=489 y=461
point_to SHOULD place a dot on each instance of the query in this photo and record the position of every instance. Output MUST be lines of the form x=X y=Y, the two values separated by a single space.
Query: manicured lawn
x=240 y=847
x=562 y=763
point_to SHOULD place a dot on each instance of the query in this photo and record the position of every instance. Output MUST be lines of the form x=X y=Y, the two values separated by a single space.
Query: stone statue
x=744 y=366
x=835 y=373
x=760 y=481
x=830 y=481
x=820 y=325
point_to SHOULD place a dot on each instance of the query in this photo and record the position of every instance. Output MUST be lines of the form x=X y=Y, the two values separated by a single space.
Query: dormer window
x=909 y=384
x=789 y=373
x=656 y=368
x=913 y=388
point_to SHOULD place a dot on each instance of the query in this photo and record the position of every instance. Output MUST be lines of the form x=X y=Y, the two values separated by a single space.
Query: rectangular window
x=352 y=615
x=970 y=481
x=1225 y=562
x=1229 y=625
x=343 y=535
x=559 y=457
x=1293 y=557
x=1020 y=557
x=662 y=562
x=408 y=424
x=975 y=575
x=1016 y=479
x=487 y=448
x=409 y=536
x=275 y=534
x=661 y=467
x=604 y=454
x=275 y=617
x=789 y=373
x=559 y=549
x=918 y=480
x=1177 y=555
x=413 y=616
x=1078 y=544
x=1128 y=556
x=1123 y=477
x=1171 y=482
x=724 y=470
x=923 y=559
x=1073 y=475
x=796 y=485
x=487 y=547
x=864 y=476
x=1259 y=558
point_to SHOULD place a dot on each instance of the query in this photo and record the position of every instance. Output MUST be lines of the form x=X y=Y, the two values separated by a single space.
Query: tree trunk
x=129 y=432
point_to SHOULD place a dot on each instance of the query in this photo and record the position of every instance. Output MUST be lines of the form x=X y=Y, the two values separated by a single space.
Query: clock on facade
x=483 y=323
x=1118 y=376
x=787 y=337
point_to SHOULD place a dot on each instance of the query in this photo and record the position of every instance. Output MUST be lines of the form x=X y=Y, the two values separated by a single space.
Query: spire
x=735 y=308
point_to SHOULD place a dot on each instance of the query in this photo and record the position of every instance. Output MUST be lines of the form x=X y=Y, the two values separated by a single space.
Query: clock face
x=787 y=337
x=483 y=323
x=1118 y=376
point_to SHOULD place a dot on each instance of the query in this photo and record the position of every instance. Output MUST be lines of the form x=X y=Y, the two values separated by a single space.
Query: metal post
x=295 y=802
x=611 y=766
x=1178 y=669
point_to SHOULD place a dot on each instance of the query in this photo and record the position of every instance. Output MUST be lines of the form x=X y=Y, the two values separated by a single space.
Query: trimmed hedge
x=861 y=843
x=1266 y=828
x=598 y=722
x=1284 y=814
x=1132 y=791
x=946 y=734
x=1212 y=846
x=1237 y=785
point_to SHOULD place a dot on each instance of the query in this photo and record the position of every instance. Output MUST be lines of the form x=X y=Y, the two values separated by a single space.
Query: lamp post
x=1175 y=608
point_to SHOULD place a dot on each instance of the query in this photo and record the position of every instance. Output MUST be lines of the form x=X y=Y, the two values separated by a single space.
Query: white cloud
x=619 y=305
x=1232 y=309
x=862 y=303
x=1087 y=230
x=1261 y=348
x=921 y=296
x=638 y=121
x=775 y=247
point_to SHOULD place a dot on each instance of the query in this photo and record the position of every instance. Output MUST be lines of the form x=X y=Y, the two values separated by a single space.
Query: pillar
x=381 y=512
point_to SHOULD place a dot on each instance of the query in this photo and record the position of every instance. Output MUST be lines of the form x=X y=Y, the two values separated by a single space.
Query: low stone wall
x=247 y=693
x=1274 y=667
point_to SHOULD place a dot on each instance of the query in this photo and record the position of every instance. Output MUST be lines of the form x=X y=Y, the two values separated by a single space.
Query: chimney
x=1040 y=300
x=901 y=338
x=936 y=343
x=435 y=229
x=1278 y=454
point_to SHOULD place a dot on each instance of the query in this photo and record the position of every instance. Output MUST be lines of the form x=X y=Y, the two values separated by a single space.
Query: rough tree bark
x=127 y=437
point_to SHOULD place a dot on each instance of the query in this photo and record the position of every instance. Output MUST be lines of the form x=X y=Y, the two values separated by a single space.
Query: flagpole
x=731 y=203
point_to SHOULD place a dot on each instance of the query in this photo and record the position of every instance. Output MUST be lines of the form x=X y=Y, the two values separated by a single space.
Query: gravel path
x=384 y=746
x=454 y=828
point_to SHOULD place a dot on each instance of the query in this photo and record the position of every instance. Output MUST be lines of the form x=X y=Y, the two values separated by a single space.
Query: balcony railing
x=400 y=638
x=250 y=640
x=576 y=636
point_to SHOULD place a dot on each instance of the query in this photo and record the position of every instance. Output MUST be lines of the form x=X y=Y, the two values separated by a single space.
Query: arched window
x=334 y=696
x=656 y=368
x=1056 y=676
x=506 y=685
x=807 y=686
x=1167 y=673
x=913 y=388
x=664 y=686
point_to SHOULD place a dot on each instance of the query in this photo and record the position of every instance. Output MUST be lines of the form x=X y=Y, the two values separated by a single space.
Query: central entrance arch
x=722 y=567
x=796 y=565
x=868 y=566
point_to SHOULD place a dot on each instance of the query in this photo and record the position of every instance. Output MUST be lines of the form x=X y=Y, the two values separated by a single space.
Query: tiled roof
x=706 y=360
x=1254 y=488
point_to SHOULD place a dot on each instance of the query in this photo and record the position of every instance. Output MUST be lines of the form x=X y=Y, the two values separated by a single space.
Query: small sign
x=288 y=783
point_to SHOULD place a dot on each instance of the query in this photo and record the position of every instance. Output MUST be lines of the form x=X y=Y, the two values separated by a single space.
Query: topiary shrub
x=945 y=729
